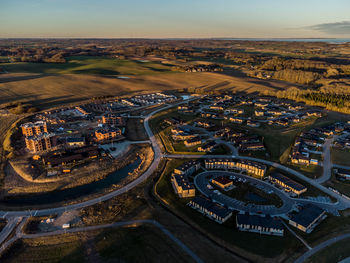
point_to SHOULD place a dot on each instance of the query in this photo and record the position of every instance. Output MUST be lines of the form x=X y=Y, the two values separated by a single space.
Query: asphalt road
x=157 y=157
x=342 y=203
x=201 y=181
x=10 y=226
x=133 y=223
x=12 y=216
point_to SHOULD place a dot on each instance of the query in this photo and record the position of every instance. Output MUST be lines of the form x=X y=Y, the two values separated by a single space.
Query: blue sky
x=175 y=18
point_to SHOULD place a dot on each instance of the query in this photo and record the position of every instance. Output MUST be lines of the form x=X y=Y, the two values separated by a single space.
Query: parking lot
x=202 y=182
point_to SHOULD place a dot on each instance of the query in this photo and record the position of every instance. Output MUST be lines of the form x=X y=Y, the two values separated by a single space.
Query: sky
x=175 y=18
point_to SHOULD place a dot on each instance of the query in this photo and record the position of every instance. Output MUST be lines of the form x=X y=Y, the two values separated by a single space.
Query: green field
x=141 y=244
x=333 y=253
x=340 y=156
x=145 y=243
x=66 y=248
x=89 y=65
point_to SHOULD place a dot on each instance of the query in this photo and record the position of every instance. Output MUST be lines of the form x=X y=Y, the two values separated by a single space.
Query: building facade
x=243 y=165
x=42 y=142
x=107 y=134
x=36 y=128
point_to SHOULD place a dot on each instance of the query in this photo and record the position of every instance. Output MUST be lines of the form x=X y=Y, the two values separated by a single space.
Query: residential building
x=259 y=113
x=263 y=225
x=107 y=134
x=253 y=124
x=258 y=146
x=307 y=218
x=236 y=120
x=76 y=142
x=36 y=128
x=342 y=173
x=250 y=167
x=41 y=142
x=112 y=120
x=83 y=110
x=182 y=187
x=212 y=210
x=187 y=168
x=222 y=182
x=288 y=184
x=193 y=141
x=208 y=147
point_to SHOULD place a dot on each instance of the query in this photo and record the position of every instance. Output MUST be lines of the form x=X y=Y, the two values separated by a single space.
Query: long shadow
x=266 y=83
x=49 y=102
x=20 y=78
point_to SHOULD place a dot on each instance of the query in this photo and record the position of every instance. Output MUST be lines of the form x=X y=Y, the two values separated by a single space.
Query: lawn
x=332 y=226
x=311 y=190
x=142 y=244
x=311 y=171
x=342 y=186
x=266 y=246
x=277 y=141
x=89 y=65
x=333 y=253
x=64 y=248
x=340 y=156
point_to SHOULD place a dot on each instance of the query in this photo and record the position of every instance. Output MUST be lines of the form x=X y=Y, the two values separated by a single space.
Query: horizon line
x=175 y=38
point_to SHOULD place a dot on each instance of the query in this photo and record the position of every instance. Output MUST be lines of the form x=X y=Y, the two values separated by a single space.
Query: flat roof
x=307 y=215
x=255 y=220
x=288 y=181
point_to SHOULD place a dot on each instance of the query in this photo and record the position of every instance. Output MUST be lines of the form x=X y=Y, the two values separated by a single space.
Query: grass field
x=341 y=157
x=342 y=186
x=89 y=65
x=333 y=253
x=141 y=244
x=65 y=248
x=51 y=84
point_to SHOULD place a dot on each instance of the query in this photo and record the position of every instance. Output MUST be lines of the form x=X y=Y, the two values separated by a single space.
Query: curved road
x=321 y=246
x=201 y=184
x=133 y=223
x=342 y=203
x=14 y=216
x=140 y=179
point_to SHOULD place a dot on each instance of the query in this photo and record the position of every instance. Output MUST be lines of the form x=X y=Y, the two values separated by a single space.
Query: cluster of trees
x=296 y=76
x=331 y=101
x=199 y=68
x=279 y=63
x=19 y=108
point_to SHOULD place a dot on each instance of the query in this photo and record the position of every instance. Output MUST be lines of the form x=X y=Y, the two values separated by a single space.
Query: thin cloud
x=332 y=28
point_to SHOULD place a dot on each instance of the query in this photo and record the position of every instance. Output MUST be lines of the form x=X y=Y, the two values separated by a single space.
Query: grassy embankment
x=334 y=253
x=341 y=157
x=117 y=244
x=45 y=85
x=89 y=65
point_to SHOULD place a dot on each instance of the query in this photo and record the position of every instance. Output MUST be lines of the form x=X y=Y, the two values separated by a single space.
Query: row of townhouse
x=250 y=167
x=288 y=184
x=212 y=210
x=266 y=225
x=179 y=179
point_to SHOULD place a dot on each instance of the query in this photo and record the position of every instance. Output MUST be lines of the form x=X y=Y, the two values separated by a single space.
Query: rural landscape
x=164 y=148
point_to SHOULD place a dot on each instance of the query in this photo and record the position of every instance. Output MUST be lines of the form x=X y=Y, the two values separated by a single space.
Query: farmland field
x=82 y=77
x=89 y=65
